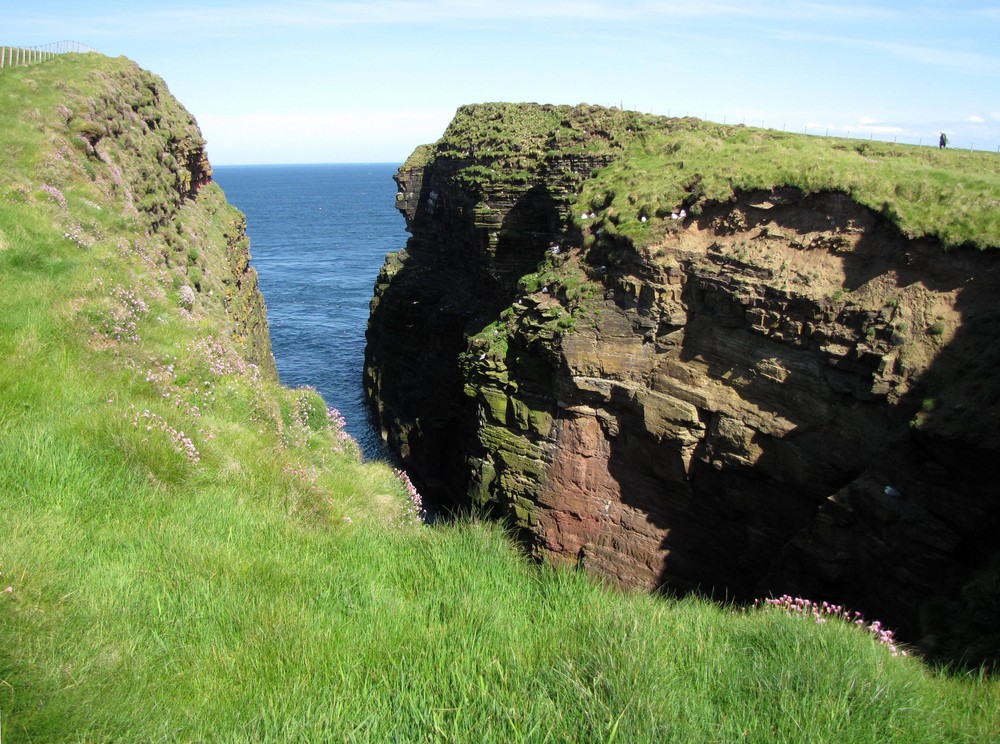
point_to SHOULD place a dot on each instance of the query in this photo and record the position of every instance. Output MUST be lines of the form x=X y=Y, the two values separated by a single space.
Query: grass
x=269 y=586
x=948 y=195
x=656 y=165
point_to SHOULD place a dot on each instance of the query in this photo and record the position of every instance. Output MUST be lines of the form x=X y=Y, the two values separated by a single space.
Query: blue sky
x=304 y=81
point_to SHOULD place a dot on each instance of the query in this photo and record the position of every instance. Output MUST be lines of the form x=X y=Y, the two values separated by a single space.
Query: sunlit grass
x=662 y=164
x=951 y=196
x=272 y=587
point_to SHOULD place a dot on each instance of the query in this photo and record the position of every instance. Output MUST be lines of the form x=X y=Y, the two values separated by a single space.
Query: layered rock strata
x=783 y=394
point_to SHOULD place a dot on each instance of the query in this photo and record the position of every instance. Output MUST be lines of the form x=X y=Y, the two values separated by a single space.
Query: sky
x=338 y=81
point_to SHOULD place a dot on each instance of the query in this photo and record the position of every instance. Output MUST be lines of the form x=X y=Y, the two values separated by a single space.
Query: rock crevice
x=783 y=394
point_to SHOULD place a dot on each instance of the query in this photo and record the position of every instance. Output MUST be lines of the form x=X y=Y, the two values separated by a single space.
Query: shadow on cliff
x=526 y=233
x=449 y=284
x=846 y=501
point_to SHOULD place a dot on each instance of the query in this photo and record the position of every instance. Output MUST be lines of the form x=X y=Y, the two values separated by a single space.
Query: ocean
x=318 y=237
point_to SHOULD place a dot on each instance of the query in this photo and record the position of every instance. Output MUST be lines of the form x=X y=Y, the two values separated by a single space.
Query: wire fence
x=18 y=56
x=861 y=132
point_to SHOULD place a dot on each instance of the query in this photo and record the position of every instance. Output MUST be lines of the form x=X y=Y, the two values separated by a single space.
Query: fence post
x=19 y=56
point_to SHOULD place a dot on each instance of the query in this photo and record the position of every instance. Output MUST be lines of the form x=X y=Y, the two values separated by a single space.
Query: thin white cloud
x=874 y=126
x=328 y=13
x=318 y=14
x=976 y=119
x=864 y=125
x=971 y=63
x=228 y=17
x=838 y=11
x=968 y=62
x=990 y=14
x=883 y=129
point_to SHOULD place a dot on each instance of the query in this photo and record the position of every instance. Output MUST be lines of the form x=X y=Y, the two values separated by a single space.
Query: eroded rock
x=718 y=412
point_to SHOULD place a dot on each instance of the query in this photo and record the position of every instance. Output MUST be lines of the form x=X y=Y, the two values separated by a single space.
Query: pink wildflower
x=415 y=507
x=800 y=607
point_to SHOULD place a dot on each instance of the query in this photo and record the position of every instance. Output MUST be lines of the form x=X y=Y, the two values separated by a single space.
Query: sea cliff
x=123 y=162
x=190 y=551
x=699 y=358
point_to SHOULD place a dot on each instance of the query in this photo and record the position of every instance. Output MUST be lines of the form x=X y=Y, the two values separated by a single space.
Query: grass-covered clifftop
x=952 y=196
x=664 y=164
x=190 y=552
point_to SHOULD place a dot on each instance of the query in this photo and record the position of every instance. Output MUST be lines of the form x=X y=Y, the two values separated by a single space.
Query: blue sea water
x=318 y=236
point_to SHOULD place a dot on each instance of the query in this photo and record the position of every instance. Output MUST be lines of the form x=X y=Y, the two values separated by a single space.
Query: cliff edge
x=699 y=358
x=122 y=161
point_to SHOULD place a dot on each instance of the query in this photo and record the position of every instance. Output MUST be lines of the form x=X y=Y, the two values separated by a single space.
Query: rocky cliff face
x=781 y=393
x=146 y=153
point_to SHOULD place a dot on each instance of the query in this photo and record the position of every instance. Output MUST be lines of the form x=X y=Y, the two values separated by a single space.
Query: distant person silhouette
x=943 y=142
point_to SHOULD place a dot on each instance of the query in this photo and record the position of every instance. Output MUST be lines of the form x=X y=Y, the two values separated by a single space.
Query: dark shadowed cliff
x=691 y=357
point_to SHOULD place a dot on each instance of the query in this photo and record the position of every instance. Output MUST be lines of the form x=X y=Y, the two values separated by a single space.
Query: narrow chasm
x=777 y=393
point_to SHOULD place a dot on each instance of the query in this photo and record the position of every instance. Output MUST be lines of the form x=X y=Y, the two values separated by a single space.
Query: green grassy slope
x=194 y=553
